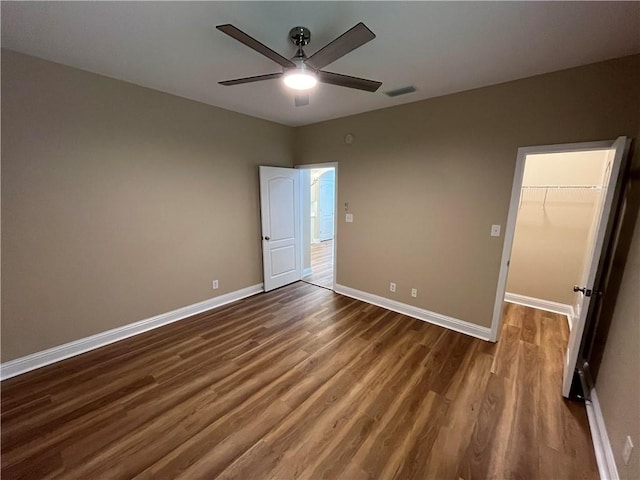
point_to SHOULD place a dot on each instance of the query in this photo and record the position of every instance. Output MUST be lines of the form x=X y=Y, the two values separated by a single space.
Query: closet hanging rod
x=546 y=189
x=560 y=187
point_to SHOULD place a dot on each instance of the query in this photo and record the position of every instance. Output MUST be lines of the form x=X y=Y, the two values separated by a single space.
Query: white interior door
x=326 y=203
x=281 y=233
x=616 y=156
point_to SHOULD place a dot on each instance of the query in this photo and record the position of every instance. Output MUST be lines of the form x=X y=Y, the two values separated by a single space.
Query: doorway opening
x=559 y=220
x=319 y=224
x=558 y=212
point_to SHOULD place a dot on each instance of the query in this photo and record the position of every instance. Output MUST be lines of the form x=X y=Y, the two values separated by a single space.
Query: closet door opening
x=559 y=220
x=560 y=203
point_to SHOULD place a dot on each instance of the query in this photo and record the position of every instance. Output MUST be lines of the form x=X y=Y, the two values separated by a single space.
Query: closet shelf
x=559 y=187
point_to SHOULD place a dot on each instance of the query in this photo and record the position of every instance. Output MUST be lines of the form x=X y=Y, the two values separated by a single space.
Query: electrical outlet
x=495 y=230
x=626 y=451
x=414 y=292
x=349 y=217
x=215 y=284
x=392 y=287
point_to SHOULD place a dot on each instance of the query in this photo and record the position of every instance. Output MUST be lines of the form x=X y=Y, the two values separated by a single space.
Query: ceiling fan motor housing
x=300 y=36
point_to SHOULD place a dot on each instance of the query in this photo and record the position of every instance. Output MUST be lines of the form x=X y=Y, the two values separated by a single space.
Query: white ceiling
x=439 y=47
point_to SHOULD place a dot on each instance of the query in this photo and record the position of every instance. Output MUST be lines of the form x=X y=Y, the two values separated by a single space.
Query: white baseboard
x=46 y=357
x=546 y=305
x=451 y=323
x=306 y=272
x=601 y=444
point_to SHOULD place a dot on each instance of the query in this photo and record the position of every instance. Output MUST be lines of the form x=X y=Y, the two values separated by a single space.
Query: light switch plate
x=349 y=217
x=495 y=230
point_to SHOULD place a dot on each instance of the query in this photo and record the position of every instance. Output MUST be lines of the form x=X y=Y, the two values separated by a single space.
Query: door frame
x=509 y=231
x=333 y=165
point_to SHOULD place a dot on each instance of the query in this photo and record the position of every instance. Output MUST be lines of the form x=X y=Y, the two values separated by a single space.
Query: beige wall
x=426 y=180
x=567 y=168
x=618 y=383
x=120 y=202
x=552 y=232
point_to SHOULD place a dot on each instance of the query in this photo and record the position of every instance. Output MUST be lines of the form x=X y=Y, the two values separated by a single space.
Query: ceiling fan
x=302 y=72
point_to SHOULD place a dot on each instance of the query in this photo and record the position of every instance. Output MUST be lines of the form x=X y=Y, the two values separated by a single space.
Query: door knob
x=587 y=291
x=265 y=238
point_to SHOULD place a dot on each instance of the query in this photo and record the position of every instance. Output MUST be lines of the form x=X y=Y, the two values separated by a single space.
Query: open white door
x=281 y=233
x=587 y=288
x=326 y=204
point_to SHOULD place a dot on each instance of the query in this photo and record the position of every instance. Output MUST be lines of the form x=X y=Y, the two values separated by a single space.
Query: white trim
x=306 y=272
x=509 y=232
x=513 y=212
x=577 y=308
x=546 y=305
x=415 y=312
x=601 y=444
x=46 y=357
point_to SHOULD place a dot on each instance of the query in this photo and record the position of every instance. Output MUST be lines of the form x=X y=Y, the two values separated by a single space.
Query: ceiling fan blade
x=301 y=100
x=257 y=78
x=251 y=42
x=348 y=41
x=348 y=81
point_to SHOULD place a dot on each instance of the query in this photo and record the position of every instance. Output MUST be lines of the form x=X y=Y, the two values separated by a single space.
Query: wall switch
x=495 y=230
x=215 y=284
x=626 y=451
x=414 y=292
x=392 y=287
x=349 y=217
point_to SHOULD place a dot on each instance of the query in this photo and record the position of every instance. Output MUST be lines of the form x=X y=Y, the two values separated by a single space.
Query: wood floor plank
x=523 y=451
x=513 y=314
x=303 y=383
x=530 y=331
x=504 y=361
x=321 y=264
x=487 y=451
x=453 y=438
x=551 y=423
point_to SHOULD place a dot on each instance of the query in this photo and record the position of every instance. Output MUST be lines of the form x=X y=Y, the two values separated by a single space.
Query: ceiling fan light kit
x=302 y=73
x=301 y=78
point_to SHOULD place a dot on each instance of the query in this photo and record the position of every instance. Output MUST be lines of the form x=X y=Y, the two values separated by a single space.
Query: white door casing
x=619 y=148
x=281 y=232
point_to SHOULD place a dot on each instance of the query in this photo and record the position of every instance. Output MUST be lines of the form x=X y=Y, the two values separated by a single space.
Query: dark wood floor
x=321 y=264
x=303 y=383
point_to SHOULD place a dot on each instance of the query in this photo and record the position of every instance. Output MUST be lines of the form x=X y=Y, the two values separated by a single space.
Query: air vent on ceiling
x=400 y=91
